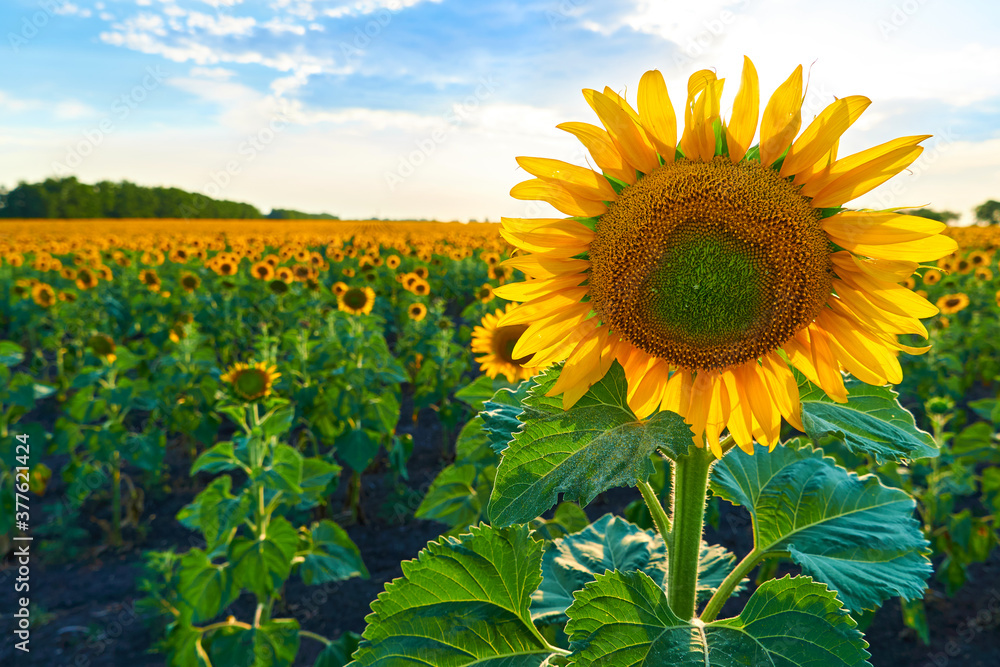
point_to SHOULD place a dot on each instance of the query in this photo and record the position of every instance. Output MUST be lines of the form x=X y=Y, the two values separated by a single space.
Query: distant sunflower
x=497 y=343
x=357 y=300
x=86 y=278
x=392 y=261
x=262 y=270
x=339 y=288
x=952 y=303
x=485 y=293
x=984 y=273
x=103 y=346
x=932 y=277
x=421 y=287
x=150 y=279
x=190 y=282
x=417 y=311
x=43 y=295
x=706 y=266
x=251 y=381
x=284 y=274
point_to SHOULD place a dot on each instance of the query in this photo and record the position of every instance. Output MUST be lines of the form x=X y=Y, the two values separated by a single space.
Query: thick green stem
x=660 y=518
x=689 y=489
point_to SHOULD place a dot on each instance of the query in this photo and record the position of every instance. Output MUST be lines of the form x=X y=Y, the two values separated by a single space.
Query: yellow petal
x=533 y=289
x=625 y=134
x=784 y=388
x=691 y=140
x=743 y=124
x=866 y=177
x=540 y=266
x=657 y=114
x=581 y=181
x=893 y=271
x=890 y=296
x=869 y=227
x=677 y=395
x=853 y=303
x=921 y=250
x=782 y=118
x=646 y=392
x=602 y=149
x=530 y=311
x=561 y=198
x=823 y=133
x=825 y=177
x=545 y=332
x=740 y=420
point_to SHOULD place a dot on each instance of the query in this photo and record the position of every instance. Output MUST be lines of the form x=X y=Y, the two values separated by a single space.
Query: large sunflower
x=496 y=343
x=707 y=266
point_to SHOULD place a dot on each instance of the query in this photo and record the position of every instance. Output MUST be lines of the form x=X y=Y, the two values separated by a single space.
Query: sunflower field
x=709 y=417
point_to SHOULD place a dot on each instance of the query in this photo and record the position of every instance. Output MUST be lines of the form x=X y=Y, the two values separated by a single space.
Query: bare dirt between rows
x=93 y=622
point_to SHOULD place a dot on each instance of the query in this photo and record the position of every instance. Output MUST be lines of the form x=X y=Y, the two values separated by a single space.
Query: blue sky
x=417 y=108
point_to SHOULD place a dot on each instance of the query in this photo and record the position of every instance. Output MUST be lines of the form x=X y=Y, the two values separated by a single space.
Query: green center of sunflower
x=251 y=383
x=709 y=264
x=355 y=298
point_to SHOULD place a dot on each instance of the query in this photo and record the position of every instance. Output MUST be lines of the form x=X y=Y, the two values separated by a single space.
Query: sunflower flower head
x=356 y=300
x=496 y=343
x=251 y=382
x=709 y=264
x=103 y=346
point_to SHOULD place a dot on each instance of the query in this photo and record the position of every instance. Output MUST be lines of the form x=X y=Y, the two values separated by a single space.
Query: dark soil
x=85 y=614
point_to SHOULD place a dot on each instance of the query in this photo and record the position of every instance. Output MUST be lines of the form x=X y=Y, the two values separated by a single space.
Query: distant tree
x=940 y=216
x=988 y=212
x=290 y=214
x=68 y=198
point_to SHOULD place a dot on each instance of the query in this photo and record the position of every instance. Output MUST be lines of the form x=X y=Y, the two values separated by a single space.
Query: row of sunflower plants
x=255 y=538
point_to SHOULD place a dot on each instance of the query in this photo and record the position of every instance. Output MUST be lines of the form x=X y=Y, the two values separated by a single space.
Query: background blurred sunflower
x=251 y=381
x=496 y=344
x=417 y=311
x=952 y=303
x=357 y=300
x=707 y=265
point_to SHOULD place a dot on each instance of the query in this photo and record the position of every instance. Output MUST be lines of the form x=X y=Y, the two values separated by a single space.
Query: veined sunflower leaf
x=500 y=414
x=273 y=643
x=262 y=565
x=463 y=601
x=872 y=421
x=612 y=543
x=338 y=653
x=852 y=533
x=473 y=445
x=596 y=445
x=623 y=618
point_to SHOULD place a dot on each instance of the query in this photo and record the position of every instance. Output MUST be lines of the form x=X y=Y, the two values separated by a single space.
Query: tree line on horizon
x=69 y=198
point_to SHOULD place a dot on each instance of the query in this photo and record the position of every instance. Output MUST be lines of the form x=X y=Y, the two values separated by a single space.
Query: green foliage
x=426 y=613
x=871 y=422
x=611 y=543
x=623 y=618
x=853 y=533
x=596 y=445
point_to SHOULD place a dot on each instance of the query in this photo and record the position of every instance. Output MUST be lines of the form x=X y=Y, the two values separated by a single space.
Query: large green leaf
x=596 y=445
x=473 y=444
x=11 y=354
x=216 y=512
x=262 y=565
x=612 y=543
x=850 y=532
x=331 y=556
x=463 y=601
x=872 y=421
x=623 y=618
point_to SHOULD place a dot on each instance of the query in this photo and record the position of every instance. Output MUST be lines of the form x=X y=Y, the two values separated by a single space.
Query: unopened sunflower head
x=709 y=265
x=251 y=381
x=496 y=343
